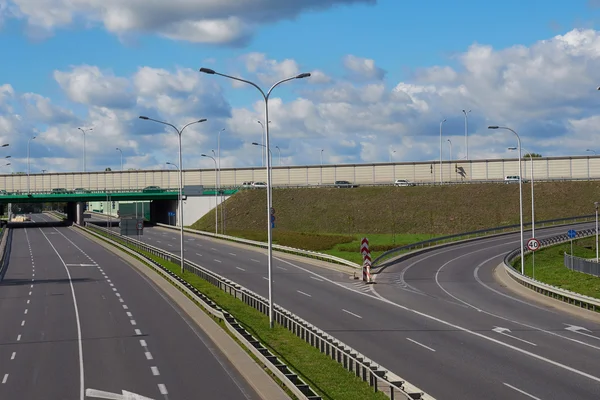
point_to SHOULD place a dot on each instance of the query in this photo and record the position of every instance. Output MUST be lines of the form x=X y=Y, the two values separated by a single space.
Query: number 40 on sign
x=533 y=244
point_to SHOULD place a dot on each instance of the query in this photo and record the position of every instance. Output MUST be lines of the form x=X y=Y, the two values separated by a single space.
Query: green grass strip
x=324 y=375
x=550 y=268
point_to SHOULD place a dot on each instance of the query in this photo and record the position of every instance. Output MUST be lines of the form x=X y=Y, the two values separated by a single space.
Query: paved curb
x=502 y=277
x=253 y=373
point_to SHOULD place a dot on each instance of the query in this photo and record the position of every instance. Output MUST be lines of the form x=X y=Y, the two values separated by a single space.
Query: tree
x=107 y=169
x=532 y=155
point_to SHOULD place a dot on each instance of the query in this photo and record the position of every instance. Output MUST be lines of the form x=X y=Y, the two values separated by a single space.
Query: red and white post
x=366 y=253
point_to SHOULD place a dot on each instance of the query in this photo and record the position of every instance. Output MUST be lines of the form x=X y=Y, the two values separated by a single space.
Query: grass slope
x=333 y=220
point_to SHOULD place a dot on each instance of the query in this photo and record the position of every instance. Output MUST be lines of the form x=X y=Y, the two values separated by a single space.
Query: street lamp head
x=202 y=120
x=255 y=144
x=512 y=148
x=7 y=157
x=598 y=88
x=207 y=71
x=203 y=155
x=303 y=75
x=493 y=127
x=5 y=145
x=143 y=117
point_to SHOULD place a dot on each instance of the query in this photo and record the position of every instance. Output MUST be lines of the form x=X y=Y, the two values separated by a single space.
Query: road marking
x=117 y=294
x=133 y=322
x=218 y=260
x=79 y=342
x=23 y=323
x=316 y=279
x=143 y=343
x=252 y=259
x=14 y=354
x=129 y=314
x=28 y=301
x=125 y=307
x=148 y=355
x=158 y=241
x=163 y=389
x=111 y=284
x=578 y=329
x=138 y=332
x=503 y=331
x=31 y=286
x=170 y=245
x=377 y=296
x=5 y=378
x=521 y=391
x=120 y=299
x=198 y=254
x=351 y=313
x=306 y=294
x=155 y=371
x=420 y=344
x=232 y=254
x=212 y=248
x=108 y=280
x=241 y=269
x=114 y=289
x=285 y=269
x=19 y=338
x=26 y=310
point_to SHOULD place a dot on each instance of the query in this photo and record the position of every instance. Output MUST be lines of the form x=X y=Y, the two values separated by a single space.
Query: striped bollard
x=366 y=253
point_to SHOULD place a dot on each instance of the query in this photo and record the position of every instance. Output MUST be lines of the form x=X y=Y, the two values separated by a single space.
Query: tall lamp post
x=466 y=112
x=262 y=161
x=441 y=173
x=450 y=159
x=28 y=166
x=169 y=179
x=84 y=132
x=269 y=228
x=321 y=169
x=392 y=152
x=179 y=132
x=219 y=180
x=279 y=150
x=520 y=192
x=596 y=205
x=216 y=195
x=271 y=156
x=121 y=151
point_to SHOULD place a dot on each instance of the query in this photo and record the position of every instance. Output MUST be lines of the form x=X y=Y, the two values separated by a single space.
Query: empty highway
x=439 y=320
x=75 y=318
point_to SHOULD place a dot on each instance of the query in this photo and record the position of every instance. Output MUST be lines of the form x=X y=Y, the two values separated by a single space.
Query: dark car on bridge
x=152 y=189
x=81 y=191
x=60 y=191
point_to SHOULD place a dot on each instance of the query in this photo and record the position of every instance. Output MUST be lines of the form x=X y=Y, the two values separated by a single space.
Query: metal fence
x=380 y=379
x=590 y=267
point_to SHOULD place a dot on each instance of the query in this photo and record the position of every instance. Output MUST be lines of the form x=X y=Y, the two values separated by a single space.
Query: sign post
x=533 y=245
x=572 y=234
x=272 y=217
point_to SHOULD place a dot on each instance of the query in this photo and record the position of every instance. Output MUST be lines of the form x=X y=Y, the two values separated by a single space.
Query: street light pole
x=219 y=177
x=450 y=163
x=520 y=193
x=279 y=150
x=84 y=131
x=269 y=227
x=216 y=195
x=466 y=132
x=321 y=169
x=120 y=151
x=441 y=173
x=28 y=166
x=271 y=157
x=179 y=132
x=262 y=141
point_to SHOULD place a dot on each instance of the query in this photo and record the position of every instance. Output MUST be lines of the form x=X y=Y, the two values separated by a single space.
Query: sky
x=384 y=74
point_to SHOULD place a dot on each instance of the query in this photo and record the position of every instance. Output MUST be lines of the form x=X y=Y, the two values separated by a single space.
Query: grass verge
x=324 y=375
x=550 y=268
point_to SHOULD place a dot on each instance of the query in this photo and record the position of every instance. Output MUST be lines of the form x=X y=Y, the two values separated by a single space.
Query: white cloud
x=363 y=68
x=546 y=92
x=200 y=21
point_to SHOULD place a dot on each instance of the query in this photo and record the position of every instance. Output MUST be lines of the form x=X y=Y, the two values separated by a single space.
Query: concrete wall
x=580 y=167
x=195 y=208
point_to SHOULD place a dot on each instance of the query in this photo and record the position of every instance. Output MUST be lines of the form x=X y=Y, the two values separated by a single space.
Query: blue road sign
x=272 y=218
x=272 y=224
x=572 y=233
x=171 y=213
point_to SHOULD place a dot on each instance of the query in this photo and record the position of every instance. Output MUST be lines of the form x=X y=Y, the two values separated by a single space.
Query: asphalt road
x=74 y=316
x=438 y=320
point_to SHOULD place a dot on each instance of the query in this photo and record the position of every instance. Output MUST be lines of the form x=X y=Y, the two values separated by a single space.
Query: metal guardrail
x=285 y=249
x=474 y=235
x=578 y=264
x=567 y=296
x=378 y=377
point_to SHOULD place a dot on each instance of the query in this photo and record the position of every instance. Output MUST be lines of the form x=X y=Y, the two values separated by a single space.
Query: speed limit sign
x=533 y=244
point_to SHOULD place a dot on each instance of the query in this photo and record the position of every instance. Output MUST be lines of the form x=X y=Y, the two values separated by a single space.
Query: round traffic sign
x=533 y=244
x=272 y=210
x=140 y=225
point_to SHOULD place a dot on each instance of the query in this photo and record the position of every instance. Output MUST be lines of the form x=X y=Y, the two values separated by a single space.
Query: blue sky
x=406 y=39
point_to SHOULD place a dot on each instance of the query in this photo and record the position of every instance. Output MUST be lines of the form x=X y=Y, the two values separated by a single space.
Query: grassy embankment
x=550 y=268
x=333 y=220
x=323 y=374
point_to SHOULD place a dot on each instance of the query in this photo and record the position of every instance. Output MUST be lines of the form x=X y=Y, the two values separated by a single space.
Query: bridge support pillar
x=79 y=210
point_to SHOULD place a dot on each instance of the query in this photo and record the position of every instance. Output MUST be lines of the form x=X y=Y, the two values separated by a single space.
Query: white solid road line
x=420 y=344
x=377 y=296
x=521 y=391
x=351 y=313
x=306 y=294
x=79 y=342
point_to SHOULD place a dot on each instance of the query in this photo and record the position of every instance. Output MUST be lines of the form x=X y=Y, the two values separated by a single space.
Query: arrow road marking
x=579 y=329
x=100 y=394
x=503 y=331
